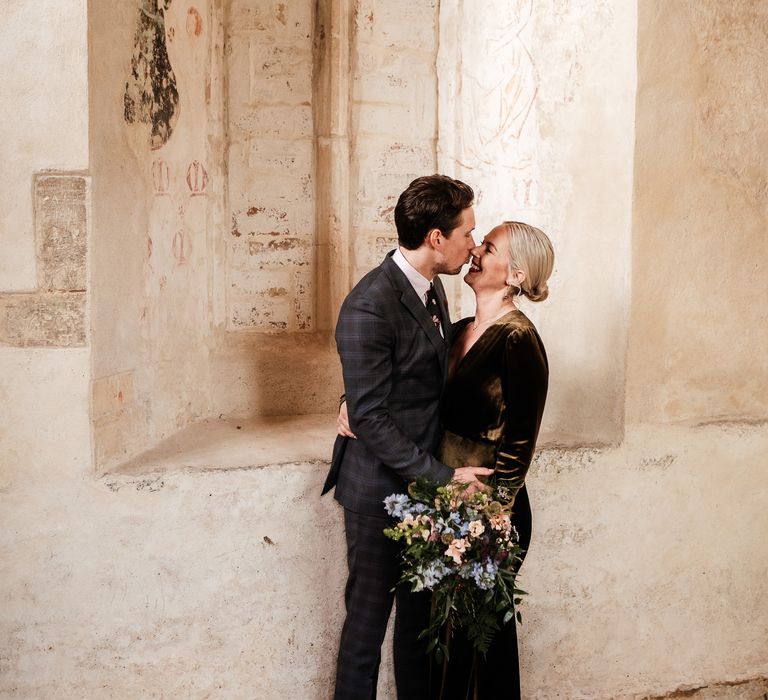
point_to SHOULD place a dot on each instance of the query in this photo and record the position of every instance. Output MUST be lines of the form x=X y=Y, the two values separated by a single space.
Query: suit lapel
x=415 y=306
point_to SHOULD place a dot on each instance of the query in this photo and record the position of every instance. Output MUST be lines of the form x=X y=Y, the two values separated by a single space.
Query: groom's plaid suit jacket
x=394 y=363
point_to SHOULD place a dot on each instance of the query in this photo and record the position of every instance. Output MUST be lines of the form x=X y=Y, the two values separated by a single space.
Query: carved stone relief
x=54 y=315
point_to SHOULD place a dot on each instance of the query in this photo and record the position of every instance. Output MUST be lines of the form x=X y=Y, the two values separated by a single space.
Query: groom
x=393 y=336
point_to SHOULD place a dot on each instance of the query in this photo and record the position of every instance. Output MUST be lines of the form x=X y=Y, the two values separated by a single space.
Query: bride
x=490 y=412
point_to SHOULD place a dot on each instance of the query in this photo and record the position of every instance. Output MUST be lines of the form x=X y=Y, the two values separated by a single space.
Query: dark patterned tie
x=433 y=307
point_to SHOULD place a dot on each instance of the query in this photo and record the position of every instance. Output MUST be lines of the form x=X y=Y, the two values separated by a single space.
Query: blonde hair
x=531 y=251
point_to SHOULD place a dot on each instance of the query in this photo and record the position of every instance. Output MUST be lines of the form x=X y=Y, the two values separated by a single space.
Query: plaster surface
x=393 y=117
x=169 y=586
x=40 y=442
x=700 y=253
x=44 y=122
x=44 y=358
x=647 y=571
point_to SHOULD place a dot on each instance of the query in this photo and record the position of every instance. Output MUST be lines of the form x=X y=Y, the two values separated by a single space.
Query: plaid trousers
x=374 y=569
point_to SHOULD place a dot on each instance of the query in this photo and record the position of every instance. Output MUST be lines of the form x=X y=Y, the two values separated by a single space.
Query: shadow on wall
x=278 y=375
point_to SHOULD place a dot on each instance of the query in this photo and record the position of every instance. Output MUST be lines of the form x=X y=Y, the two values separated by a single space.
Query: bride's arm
x=524 y=381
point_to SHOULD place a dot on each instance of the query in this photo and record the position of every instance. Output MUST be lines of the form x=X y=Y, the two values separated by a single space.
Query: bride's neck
x=491 y=305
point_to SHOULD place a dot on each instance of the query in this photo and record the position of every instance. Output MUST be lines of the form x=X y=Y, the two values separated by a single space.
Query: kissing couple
x=448 y=402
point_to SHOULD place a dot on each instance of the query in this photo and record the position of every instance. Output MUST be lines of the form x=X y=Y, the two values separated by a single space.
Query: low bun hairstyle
x=531 y=251
x=537 y=293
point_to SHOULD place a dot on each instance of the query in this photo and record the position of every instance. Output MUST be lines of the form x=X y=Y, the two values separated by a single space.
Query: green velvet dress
x=491 y=413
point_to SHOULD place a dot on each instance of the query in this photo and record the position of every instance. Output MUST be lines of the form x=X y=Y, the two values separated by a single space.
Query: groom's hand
x=342 y=422
x=470 y=476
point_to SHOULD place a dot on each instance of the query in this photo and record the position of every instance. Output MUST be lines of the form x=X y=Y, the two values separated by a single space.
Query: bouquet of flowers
x=464 y=549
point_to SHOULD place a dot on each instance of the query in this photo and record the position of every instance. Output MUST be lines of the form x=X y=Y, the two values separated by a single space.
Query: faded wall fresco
x=490 y=133
x=523 y=86
x=151 y=96
x=497 y=94
x=155 y=210
x=175 y=318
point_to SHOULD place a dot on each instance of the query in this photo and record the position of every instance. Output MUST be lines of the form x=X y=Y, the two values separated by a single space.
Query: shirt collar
x=419 y=283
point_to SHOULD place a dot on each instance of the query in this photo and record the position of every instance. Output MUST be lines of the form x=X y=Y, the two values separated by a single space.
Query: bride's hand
x=470 y=476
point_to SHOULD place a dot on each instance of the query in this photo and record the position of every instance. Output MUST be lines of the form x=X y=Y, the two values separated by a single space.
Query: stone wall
x=645 y=570
x=270 y=259
x=273 y=353
x=229 y=582
x=693 y=378
x=393 y=117
x=54 y=314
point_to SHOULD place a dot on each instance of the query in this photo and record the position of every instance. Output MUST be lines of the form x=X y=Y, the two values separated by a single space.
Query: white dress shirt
x=419 y=283
x=417 y=280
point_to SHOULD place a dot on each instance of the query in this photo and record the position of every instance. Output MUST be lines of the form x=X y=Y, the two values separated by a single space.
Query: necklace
x=475 y=325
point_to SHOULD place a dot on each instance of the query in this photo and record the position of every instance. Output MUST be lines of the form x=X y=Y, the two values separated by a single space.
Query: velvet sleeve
x=524 y=381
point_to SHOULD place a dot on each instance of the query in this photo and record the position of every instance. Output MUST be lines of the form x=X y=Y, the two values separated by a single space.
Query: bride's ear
x=515 y=278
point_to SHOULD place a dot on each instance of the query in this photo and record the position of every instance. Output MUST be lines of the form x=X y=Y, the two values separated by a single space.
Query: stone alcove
x=205 y=251
x=222 y=250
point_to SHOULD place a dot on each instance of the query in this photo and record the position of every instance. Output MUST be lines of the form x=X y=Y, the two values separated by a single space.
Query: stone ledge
x=750 y=689
x=222 y=445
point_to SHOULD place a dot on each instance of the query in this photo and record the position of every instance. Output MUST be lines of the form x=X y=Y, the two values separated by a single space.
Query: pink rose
x=456 y=548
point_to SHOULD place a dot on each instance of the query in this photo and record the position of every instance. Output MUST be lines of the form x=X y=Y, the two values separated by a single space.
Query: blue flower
x=434 y=572
x=484 y=575
x=443 y=527
x=397 y=504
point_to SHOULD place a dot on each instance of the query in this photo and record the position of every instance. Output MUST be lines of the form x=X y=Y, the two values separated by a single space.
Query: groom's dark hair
x=432 y=201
